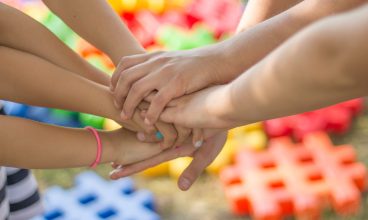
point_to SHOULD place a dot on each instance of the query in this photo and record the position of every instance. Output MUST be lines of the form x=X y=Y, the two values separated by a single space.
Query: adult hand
x=169 y=135
x=171 y=74
x=208 y=108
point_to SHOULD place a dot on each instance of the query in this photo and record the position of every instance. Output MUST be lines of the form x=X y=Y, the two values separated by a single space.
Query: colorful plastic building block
x=295 y=179
x=41 y=114
x=94 y=198
x=110 y=125
x=335 y=119
x=60 y=29
x=245 y=137
x=15 y=109
x=156 y=6
x=91 y=120
x=159 y=170
x=222 y=16
x=175 y=38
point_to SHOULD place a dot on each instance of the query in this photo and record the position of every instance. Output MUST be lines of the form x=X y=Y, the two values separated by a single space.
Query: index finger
x=126 y=63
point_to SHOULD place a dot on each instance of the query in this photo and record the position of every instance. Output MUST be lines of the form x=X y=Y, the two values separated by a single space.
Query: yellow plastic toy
x=117 y=5
x=177 y=166
x=159 y=170
x=110 y=125
x=156 y=6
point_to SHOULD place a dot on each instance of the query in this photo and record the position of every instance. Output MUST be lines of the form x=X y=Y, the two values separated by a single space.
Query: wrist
x=221 y=107
x=118 y=53
x=230 y=63
x=109 y=147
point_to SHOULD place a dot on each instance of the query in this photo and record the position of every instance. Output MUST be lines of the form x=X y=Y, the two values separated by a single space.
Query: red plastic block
x=335 y=119
x=295 y=179
x=221 y=15
x=143 y=25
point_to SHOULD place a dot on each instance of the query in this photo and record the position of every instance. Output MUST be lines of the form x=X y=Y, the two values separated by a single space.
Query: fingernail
x=116 y=170
x=141 y=136
x=184 y=184
x=198 y=144
x=123 y=115
x=147 y=122
x=159 y=136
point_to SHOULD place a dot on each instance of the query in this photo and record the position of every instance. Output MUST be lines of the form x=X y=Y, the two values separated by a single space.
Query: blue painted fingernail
x=159 y=136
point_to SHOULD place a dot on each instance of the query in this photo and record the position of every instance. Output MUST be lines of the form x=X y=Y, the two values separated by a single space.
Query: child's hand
x=128 y=149
x=171 y=74
x=207 y=108
x=202 y=157
x=170 y=135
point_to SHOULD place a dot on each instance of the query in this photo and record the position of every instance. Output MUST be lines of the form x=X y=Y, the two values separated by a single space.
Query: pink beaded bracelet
x=99 y=146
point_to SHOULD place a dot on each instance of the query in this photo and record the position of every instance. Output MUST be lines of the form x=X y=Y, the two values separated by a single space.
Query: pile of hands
x=164 y=96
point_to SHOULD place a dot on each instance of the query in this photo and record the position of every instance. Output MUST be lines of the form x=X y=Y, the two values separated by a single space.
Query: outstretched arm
x=258 y=11
x=23 y=33
x=41 y=83
x=30 y=144
x=113 y=38
x=322 y=65
x=174 y=74
x=97 y=23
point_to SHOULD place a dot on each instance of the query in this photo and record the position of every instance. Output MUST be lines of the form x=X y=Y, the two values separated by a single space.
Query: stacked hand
x=149 y=84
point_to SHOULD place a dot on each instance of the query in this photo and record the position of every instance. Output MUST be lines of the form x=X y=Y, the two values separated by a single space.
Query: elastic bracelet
x=99 y=146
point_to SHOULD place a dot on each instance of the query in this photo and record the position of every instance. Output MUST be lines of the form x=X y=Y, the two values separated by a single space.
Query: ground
x=206 y=201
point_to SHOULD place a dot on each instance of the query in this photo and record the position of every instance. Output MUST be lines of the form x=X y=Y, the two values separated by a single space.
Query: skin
x=86 y=85
x=15 y=28
x=83 y=94
x=178 y=73
x=207 y=105
x=116 y=41
x=15 y=34
x=258 y=11
x=213 y=144
x=65 y=147
x=330 y=69
x=113 y=36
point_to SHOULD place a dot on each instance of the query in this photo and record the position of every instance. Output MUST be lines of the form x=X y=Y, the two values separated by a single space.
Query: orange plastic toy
x=295 y=179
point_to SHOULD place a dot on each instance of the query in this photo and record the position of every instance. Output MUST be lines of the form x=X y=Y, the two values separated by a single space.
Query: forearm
x=97 y=16
x=247 y=48
x=29 y=144
x=15 y=29
x=316 y=68
x=257 y=11
x=29 y=79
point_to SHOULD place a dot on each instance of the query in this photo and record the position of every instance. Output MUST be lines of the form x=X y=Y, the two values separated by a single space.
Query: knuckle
x=163 y=59
x=124 y=60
